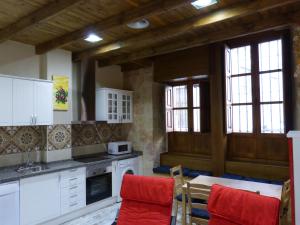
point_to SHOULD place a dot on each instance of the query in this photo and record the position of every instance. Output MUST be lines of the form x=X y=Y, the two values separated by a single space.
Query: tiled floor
x=105 y=216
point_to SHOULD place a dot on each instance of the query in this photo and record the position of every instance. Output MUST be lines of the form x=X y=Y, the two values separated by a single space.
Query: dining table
x=271 y=190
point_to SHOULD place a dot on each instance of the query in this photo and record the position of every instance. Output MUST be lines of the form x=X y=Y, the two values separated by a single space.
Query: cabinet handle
x=73 y=187
x=73 y=179
x=35 y=119
x=73 y=196
x=73 y=170
x=31 y=120
x=73 y=204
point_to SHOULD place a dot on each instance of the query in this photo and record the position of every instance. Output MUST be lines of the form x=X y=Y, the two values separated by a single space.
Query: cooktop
x=92 y=158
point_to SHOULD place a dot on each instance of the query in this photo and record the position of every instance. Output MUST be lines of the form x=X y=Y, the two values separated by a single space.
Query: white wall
x=109 y=76
x=19 y=59
x=59 y=62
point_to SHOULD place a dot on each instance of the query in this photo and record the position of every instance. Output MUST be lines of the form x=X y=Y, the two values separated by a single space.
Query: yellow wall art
x=61 y=92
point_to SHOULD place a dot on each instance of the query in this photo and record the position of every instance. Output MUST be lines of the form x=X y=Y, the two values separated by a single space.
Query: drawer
x=71 y=206
x=75 y=190
x=73 y=172
x=67 y=182
x=72 y=199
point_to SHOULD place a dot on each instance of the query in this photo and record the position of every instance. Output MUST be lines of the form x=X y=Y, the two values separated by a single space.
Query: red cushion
x=153 y=190
x=229 y=206
x=139 y=213
x=146 y=200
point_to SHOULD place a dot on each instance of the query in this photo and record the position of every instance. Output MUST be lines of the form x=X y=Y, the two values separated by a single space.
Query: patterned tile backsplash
x=97 y=133
x=58 y=137
x=22 y=139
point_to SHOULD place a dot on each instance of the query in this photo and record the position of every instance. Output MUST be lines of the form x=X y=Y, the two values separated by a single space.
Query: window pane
x=197 y=120
x=242 y=118
x=271 y=87
x=241 y=89
x=169 y=120
x=180 y=96
x=180 y=120
x=272 y=118
x=229 y=119
x=241 y=60
x=270 y=55
x=196 y=95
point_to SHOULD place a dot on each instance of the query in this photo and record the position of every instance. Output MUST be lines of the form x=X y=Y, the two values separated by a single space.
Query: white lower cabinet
x=39 y=198
x=9 y=203
x=46 y=197
x=73 y=190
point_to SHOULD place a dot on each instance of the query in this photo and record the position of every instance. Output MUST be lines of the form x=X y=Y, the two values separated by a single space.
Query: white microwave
x=119 y=147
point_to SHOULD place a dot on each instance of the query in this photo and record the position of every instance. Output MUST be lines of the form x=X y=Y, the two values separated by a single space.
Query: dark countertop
x=9 y=174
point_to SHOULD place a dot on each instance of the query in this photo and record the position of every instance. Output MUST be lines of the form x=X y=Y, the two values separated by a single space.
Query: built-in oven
x=98 y=182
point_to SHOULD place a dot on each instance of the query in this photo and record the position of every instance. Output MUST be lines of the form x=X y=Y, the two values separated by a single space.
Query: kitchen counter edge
x=9 y=174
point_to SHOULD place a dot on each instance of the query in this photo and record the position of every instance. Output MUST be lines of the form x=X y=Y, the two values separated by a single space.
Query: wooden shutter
x=169 y=108
x=228 y=82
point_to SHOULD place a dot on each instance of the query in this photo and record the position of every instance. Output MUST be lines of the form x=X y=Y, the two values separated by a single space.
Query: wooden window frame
x=254 y=41
x=204 y=106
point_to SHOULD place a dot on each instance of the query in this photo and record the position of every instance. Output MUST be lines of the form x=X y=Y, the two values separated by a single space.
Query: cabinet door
x=9 y=204
x=39 y=199
x=43 y=103
x=23 y=102
x=6 y=92
x=126 y=107
x=113 y=115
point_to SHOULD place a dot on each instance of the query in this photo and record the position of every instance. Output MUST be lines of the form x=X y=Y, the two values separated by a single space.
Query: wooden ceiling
x=174 y=24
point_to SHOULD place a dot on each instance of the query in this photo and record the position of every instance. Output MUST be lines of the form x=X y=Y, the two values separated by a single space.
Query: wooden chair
x=198 y=209
x=285 y=203
x=177 y=174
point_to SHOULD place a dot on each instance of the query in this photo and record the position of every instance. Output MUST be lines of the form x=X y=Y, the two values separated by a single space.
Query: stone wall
x=147 y=132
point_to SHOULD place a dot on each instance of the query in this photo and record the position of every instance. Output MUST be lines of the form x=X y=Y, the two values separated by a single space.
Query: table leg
x=183 y=206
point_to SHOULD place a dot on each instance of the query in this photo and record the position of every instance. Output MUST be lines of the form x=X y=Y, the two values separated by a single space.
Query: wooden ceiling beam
x=195 y=23
x=42 y=14
x=237 y=30
x=152 y=8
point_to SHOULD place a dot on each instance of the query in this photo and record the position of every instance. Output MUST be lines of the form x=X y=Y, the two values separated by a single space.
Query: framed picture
x=60 y=92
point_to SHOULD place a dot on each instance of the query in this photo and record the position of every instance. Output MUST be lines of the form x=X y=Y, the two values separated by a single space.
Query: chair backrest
x=177 y=174
x=285 y=202
x=146 y=200
x=241 y=207
x=198 y=195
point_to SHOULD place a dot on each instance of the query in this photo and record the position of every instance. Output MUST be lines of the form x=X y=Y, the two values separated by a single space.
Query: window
x=254 y=87
x=180 y=108
x=241 y=90
x=196 y=107
x=184 y=107
x=271 y=87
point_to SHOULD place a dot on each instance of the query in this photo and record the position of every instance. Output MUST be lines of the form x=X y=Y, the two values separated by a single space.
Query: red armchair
x=229 y=206
x=146 y=201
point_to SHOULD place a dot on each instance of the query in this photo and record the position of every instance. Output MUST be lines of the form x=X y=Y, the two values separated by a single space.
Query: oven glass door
x=98 y=188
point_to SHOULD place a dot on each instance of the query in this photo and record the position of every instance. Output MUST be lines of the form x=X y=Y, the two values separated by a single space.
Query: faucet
x=29 y=162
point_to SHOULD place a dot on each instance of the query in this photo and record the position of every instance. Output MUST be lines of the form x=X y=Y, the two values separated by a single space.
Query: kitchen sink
x=32 y=168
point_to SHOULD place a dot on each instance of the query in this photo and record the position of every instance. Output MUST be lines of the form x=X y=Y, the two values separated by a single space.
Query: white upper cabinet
x=43 y=103
x=25 y=102
x=126 y=106
x=6 y=88
x=113 y=105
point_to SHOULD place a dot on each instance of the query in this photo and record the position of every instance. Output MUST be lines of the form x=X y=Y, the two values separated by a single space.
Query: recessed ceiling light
x=93 y=38
x=198 y=4
x=140 y=24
